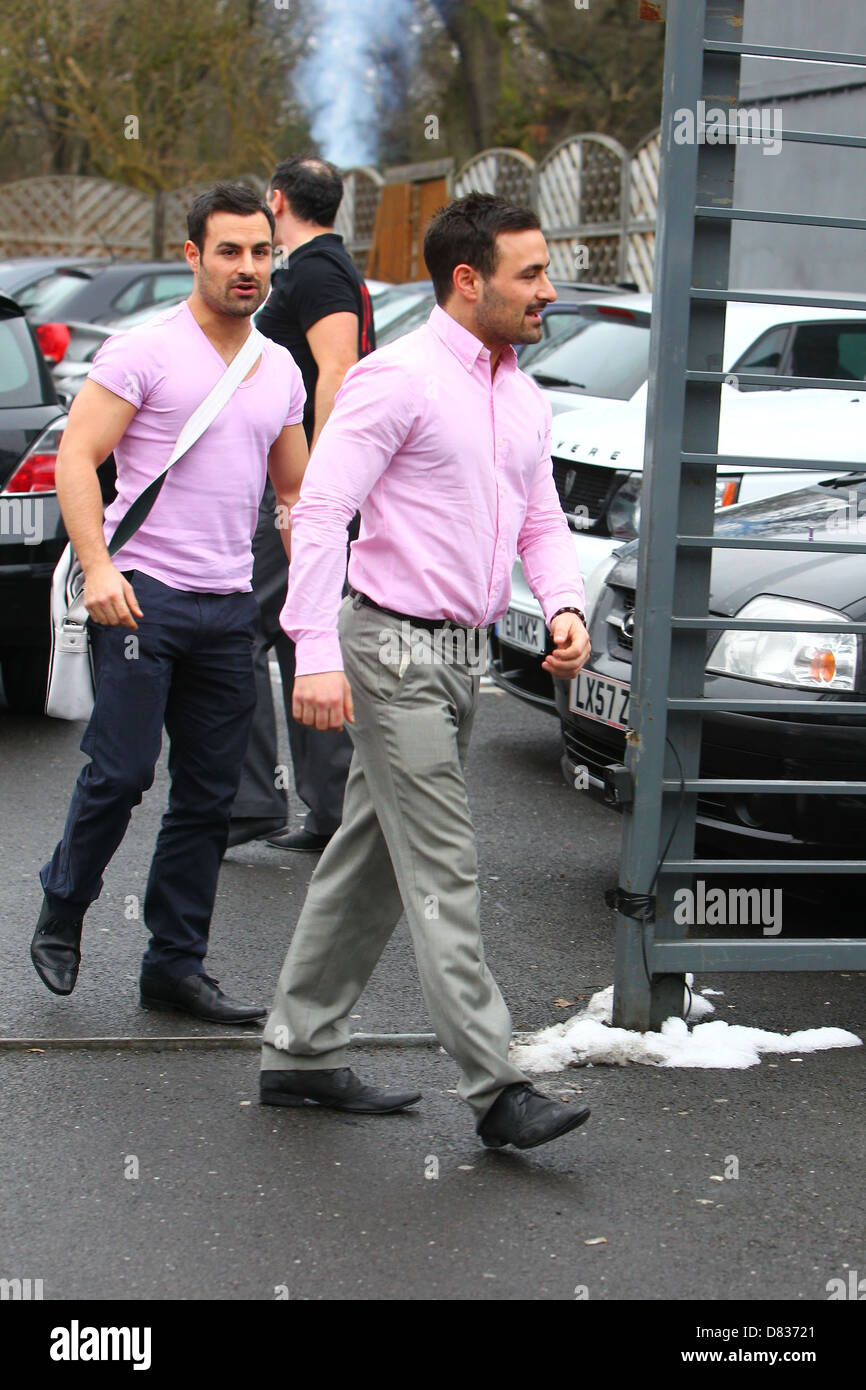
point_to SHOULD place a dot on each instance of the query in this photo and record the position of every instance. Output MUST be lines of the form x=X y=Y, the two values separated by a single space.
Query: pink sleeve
x=122 y=368
x=297 y=395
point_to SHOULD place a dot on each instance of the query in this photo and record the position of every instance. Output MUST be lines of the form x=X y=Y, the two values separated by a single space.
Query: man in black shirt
x=319 y=308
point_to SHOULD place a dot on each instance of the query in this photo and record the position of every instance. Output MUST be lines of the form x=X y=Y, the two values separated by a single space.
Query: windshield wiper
x=544 y=380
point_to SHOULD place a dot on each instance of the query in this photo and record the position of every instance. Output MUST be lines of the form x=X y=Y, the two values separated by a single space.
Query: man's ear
x=466 y=281
x=191 y=255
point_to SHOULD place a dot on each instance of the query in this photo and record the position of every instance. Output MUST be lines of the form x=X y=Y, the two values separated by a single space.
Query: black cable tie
x=640 y=907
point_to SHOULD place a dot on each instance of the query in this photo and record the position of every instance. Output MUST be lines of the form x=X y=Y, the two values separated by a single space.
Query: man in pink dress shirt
x=443 y=445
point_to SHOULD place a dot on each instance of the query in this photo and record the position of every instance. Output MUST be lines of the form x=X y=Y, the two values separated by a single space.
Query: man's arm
x=287 y=462
x=371 y=419
x=333 y=342
x=546 y=550
x=98 y=419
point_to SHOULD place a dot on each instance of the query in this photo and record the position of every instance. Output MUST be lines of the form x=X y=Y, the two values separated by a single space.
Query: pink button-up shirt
x=451 y=472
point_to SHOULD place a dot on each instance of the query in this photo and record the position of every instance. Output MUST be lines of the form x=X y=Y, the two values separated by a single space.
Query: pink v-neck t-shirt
x=198 y=534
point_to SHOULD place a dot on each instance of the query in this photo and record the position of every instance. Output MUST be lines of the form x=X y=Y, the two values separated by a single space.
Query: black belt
x=430 y=624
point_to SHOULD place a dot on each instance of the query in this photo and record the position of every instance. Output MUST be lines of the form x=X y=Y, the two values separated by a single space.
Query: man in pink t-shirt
x=172 y=616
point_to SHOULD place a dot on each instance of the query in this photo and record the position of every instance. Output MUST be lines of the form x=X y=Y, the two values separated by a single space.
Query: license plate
x=601 y=699
x=522 y=630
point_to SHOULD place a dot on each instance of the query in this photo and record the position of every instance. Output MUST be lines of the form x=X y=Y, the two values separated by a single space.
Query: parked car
x=103 y=293
x=31 y=531
x=392 y=304
x=802 y=586
x=597 y=467
x=26 y=278
x=605 y=362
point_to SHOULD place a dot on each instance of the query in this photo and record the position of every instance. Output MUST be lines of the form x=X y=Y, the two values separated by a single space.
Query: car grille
x=595 y=754
x=583 y=485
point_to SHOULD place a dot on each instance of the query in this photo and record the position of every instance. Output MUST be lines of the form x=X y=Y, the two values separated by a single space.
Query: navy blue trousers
x=189 y=668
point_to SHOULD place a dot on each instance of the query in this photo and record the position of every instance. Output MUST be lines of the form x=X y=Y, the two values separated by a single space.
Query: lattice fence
x=643 y=211
x=357 y=214
x=71 y=216
x=507 y=173
x=597 y=206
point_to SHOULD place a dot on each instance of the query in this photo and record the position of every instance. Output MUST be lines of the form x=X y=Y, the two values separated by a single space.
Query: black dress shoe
x=522 y=1116
x=337 y=1089
x=302 y=840
x=56 y=951
x=198 y=995
x=245 y=828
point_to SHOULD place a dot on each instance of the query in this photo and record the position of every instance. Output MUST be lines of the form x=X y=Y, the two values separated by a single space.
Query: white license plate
x=522 y=630
x=601 y=699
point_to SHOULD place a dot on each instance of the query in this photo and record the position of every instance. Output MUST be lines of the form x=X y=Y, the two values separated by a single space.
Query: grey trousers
x=320 y=759
x=406 y=842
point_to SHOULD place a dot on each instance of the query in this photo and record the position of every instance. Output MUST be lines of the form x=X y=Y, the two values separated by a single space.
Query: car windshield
x=558 y=326
x=407 y=321
x=47 y=297
x=610 y=358
x=387 y=309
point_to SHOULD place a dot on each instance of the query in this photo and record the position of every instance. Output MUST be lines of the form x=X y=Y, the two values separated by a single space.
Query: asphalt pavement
x=146 y=1170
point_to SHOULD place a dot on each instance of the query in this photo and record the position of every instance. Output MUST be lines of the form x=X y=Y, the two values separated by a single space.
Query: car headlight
x=802 y=659
x=623 y=513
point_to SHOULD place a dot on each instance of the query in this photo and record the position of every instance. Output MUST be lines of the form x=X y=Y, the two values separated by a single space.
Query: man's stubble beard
x=494 y=316
x=241 y=308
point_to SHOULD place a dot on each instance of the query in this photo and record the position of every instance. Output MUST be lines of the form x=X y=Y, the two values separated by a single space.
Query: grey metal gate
x=696 y=215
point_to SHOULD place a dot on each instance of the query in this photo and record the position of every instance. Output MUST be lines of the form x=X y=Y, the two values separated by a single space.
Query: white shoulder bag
x=71 y=691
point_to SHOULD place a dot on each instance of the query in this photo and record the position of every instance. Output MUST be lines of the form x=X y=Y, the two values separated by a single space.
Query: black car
x=31 y=532
x=594 y=708
x=32 y=536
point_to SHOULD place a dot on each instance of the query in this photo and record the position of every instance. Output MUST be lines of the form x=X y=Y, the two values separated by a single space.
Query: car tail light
x=53 y=339
x=609 y=311
x=35 y=472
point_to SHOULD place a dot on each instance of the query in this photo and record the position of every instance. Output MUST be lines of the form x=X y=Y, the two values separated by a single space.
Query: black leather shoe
x=302 y=840
x=198 y=995
x=245 y=828
x=522 y=1116
x=336 y=1089
x=56 y=951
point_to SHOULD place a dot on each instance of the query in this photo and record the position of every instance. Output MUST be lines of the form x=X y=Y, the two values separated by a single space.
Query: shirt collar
x=465 y=346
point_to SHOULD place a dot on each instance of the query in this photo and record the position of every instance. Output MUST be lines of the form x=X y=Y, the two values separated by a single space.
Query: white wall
x=803 y=178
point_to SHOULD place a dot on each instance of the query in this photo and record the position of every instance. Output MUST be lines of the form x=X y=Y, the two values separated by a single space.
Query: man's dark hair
x=465 y=232
x=312 y=187
x=223 y=197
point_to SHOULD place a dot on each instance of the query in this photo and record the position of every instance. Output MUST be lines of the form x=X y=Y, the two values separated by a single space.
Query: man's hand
x=109 y=598
x=323 y=700
x=571 y=647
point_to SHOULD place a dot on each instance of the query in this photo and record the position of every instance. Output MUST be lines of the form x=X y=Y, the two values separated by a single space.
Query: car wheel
x=25 y=678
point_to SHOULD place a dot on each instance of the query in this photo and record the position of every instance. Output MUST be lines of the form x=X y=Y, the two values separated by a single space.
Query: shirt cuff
x=316 y=652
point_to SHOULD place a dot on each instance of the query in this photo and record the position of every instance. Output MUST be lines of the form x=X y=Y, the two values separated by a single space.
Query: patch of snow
x=589 y=1039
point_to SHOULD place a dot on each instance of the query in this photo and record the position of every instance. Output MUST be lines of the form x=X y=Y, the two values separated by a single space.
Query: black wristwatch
x=581 y=615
